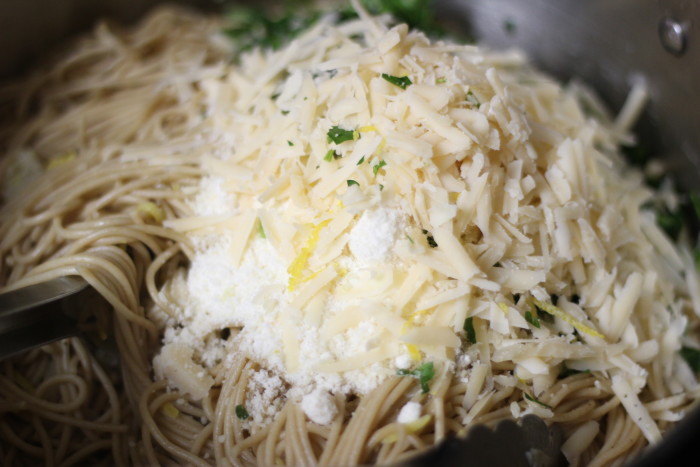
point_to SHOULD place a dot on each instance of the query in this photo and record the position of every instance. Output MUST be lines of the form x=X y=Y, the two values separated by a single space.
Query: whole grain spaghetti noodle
x=340 y=252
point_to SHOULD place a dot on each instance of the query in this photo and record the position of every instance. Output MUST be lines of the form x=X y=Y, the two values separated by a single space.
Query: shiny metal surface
x=34 y=315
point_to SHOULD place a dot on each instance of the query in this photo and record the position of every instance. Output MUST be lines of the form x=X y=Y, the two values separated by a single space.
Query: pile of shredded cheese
x=370 y=191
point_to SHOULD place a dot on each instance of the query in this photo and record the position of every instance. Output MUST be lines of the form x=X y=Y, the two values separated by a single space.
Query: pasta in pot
x=340 y=252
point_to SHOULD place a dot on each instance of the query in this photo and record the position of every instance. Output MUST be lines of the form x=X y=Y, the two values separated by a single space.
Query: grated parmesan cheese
x=332 y=264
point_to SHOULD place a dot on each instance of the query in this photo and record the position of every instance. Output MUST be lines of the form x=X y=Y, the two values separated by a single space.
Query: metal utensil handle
x=32 y=316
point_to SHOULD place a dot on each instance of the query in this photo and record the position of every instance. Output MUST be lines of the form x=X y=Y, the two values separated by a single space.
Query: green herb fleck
x=535 y=400
x=471 y=98
x=251 y=27
x=261 y=229
x=469 y=329
x=378 y=166
x=381 y=187
x=330 y=155
x=671 y=222
x=424 y=373
x=285 y=112
x=509 y=26
x=692 y=356
x=290 y=143
x=410 y=239
x=532 y=319
x=403 y=82
x=241 y=412
x=339 y=135
x=695 y=202
x=431 y=240
x=565 y=372
x=352 y=182
x=440 y=80
x=361 y=160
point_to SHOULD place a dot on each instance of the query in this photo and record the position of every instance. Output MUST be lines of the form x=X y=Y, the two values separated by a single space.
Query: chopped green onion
x=378 y=166
x=352 y=182
x=469 y=329
x=339 y=135
x=410 y=239
x=361 y=160
x=241 y=412
x=261 y=229
x=403 y=82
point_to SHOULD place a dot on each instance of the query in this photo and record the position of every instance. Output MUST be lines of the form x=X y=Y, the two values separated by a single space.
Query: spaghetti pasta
x=522 y=274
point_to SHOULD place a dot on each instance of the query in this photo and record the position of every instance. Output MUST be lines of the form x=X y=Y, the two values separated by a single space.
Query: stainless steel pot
x=608 y=44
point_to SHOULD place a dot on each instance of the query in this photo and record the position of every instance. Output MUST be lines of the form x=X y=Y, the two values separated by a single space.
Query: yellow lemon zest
x=296 y=269
x=413 y=352
x=559 y=313
x=367 y=128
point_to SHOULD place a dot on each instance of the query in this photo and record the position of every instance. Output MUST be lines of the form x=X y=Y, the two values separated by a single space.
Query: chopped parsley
x=692 y=357
x=352 y=182
x=424 y=373
x=695 y=202
x=403 y=82
x=469 y=329
x=330 y=155
x=378 y=166
x=290 y=143
x=441 y=80
x=241 y=412
x=416 y=13
x=339 y=135
x=361 y=160
x=565 y=372
x=431 y=240
x=535 y=400
x=251 y=27
x=509 y=26
x=532 y=319
x=285 y=112
x=381 y=187
x=471 y=98
x=670 y=221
